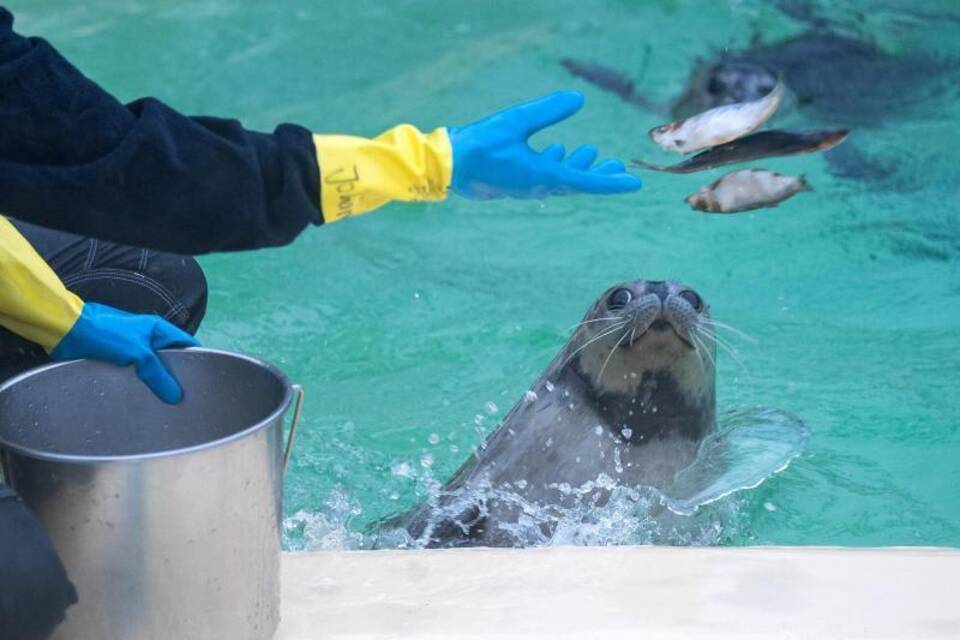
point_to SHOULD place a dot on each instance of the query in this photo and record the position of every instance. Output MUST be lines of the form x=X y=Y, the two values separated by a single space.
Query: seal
x=629 y=397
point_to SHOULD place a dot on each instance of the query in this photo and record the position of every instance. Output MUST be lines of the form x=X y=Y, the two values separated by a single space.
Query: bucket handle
x=297 y=409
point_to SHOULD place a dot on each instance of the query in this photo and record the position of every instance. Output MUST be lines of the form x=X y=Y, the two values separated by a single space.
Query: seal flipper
x=750 y=445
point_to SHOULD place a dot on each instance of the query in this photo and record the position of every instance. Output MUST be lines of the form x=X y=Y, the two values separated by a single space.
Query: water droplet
x=433 y=438
x=402 y=470
x=530 y=396
x=769 y=506
x=394 y=496
x=548 y=386
x=491 y=408
x=454 y=448
x=478 y=420
x=627 y=432
x=598 y=430
x=570 y=406
x=426 y=461
x=521 y=484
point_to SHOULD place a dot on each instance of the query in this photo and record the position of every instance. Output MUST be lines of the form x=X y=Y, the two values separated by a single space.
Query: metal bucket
x=167 y=518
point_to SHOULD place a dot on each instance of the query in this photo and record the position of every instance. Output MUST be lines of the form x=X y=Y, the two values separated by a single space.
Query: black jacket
x=72 y=157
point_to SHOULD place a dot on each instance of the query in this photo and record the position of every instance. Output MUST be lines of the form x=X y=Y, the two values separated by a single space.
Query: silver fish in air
x=745 y=190
x=718 y=125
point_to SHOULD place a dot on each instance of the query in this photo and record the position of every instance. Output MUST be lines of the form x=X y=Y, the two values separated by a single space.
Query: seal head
x=646 y=357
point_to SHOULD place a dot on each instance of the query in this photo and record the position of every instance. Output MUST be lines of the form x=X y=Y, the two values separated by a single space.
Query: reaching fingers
x=608 y=167
x=543 y=112
x=593 y=182
x=582 y=157
x=553 y=153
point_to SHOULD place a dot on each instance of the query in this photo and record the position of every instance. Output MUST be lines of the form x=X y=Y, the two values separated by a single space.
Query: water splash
x=701 y=507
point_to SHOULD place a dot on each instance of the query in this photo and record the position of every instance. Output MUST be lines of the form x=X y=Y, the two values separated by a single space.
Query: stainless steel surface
x=167 y=518
x=294 y=423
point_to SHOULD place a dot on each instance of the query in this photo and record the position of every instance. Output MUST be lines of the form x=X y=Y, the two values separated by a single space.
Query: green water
x=403 y=325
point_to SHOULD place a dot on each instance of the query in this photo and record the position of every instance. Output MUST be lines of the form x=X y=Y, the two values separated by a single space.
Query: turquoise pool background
x=414 y=328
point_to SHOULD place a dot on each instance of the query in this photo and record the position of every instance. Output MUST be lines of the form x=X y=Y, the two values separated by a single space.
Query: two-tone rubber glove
x=111 y=335
x=489 y=158
x=34 y=304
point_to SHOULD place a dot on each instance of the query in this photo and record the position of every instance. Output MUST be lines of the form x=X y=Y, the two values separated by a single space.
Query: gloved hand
x=487 y=159
x=491 y=157
x=121 y=338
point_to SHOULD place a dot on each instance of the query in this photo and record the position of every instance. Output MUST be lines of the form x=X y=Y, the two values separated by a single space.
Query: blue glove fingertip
x=155 y=375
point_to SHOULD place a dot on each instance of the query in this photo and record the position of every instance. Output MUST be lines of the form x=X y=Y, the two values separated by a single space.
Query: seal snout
x=663 y=307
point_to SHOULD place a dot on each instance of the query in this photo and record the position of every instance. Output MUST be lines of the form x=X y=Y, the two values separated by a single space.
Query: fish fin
x=647 y=165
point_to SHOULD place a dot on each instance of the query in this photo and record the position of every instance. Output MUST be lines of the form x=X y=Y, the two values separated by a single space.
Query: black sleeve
x=74 y=158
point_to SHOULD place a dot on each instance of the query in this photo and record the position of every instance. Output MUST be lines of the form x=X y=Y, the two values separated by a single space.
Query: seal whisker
x=613 y=350
x=606 y=332
x=708 y=332
x=722 y=342
x=724 y=325
x=580 y=324
x=699 y=339
x=732 y=352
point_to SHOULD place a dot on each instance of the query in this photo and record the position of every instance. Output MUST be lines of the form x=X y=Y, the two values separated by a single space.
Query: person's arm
x=35 y=305
x=72 y=157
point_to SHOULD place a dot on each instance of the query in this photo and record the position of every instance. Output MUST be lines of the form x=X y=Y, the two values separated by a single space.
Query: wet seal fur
x=630 y=396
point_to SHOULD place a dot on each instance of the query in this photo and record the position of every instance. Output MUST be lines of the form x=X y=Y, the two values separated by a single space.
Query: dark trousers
x=128 y=278
x=34 y=589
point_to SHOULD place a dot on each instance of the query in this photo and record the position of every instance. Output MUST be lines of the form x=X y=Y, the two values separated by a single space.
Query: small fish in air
x=746 y=190
x=718 y=125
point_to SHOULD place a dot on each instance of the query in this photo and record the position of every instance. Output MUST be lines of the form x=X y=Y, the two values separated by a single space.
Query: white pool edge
x=623 y=592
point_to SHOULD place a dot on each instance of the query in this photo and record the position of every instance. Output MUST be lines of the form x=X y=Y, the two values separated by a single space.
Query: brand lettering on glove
x=345 y=182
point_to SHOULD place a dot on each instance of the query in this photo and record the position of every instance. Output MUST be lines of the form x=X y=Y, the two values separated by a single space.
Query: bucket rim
x=39 y=454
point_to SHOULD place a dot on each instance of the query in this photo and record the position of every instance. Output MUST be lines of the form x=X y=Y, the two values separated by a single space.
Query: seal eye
x=692 y=298
x=619 y=299
x=715 y=87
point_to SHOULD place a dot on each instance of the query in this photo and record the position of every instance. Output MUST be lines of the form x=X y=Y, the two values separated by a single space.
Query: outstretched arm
x=74 y=158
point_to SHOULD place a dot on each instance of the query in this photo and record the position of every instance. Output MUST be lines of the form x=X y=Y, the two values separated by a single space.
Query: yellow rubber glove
x=34 y=303
x=358 y=174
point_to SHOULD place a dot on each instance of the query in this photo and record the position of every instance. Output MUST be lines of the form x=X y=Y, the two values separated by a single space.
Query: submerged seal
x=833 y=79
x=629 y=397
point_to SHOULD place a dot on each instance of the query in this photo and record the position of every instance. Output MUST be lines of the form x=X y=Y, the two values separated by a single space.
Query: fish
x=719 y=125
x=745 y=190
x=765 y=144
